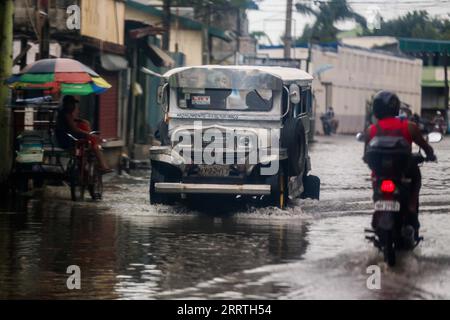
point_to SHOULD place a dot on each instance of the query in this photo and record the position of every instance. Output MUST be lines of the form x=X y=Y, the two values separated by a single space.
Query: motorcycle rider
x=386 y=107
x=329 y=117
x=439 y=122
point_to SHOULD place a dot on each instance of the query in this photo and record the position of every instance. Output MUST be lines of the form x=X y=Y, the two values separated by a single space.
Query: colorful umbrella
x=66 y=76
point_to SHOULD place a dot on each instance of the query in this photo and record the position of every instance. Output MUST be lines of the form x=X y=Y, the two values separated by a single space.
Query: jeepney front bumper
x=185 y=188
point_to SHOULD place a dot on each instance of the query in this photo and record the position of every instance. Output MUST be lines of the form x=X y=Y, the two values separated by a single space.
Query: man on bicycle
x=69 y=122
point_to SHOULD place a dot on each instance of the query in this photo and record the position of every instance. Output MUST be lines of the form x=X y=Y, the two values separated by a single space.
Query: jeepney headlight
x=247 y=141
x=244 y=141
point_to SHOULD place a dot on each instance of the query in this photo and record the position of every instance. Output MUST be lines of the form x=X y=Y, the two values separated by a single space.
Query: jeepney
x=236 y=130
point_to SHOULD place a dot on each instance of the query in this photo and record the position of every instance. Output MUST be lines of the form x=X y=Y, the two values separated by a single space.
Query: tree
x=259 y=35
x=327 y=15
x=416 y=24
x=6 y=40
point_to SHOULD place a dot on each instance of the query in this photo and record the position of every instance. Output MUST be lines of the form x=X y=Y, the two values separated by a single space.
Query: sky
x=270 y=18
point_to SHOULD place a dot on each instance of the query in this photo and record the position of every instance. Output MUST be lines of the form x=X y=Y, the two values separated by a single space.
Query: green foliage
x=327 y=14
x=415 y=24
x=259 y=35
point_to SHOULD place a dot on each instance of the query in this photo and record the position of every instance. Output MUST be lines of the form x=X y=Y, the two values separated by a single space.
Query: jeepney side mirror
x=162 y=96
x=294 y=93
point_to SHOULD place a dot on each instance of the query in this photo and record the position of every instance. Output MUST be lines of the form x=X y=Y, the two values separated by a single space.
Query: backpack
x=388 y=153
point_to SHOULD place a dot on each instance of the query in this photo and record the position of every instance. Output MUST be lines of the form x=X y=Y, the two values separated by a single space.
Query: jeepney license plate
x=387 y=205
x=214 y=171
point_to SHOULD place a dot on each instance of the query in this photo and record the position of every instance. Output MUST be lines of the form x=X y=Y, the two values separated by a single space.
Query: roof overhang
x=184 y=22
x=158 y=56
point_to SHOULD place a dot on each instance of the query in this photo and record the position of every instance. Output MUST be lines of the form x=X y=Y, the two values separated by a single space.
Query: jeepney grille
x=222 y=142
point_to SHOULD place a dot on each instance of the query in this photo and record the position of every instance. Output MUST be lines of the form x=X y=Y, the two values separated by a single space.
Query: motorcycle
x=388 y=158
x=439 y=127
x=329 y=125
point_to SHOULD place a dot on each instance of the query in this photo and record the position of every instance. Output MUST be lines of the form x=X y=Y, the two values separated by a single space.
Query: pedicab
x=38 y=158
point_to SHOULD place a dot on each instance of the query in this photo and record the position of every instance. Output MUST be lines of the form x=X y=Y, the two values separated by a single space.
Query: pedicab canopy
x=64 y=76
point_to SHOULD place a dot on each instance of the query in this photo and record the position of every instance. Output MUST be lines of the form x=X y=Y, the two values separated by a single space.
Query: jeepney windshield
x=225 y=99
x=225 y=89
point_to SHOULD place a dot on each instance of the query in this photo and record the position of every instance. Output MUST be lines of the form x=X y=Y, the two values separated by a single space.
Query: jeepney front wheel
x=161 y=173
x=293 y=139
x=279 y=194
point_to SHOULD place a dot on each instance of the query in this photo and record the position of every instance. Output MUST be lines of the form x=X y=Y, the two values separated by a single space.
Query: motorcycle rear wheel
x=389 y=249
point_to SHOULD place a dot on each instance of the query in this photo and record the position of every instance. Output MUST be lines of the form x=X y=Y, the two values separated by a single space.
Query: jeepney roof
x=285 y=74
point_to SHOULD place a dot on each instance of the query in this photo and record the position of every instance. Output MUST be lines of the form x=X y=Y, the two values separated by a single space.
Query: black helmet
x=386 y=104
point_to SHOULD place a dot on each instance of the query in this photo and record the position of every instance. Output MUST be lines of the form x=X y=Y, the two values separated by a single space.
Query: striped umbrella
x=65 y=76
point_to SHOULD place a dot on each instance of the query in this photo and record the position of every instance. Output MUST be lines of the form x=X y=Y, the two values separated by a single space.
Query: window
x=225 y=99
x=304 y=106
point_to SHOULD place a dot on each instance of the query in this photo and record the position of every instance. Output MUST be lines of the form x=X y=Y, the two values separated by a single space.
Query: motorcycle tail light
x=387 y=186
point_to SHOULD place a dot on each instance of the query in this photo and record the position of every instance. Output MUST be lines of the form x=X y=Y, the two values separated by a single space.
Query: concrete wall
x=55 y=51
x=357 y=75
x=189 y=42
x=296 y=53
x=104 y=20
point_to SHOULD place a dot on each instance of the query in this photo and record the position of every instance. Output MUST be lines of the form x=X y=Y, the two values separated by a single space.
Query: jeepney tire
x=311 y=186
x=161 y=173
x=279 y=194
x=293 y=138
x=38 y=183
x=22 y=184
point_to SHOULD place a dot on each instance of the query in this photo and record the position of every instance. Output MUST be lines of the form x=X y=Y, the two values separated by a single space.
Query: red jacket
x=391 y=127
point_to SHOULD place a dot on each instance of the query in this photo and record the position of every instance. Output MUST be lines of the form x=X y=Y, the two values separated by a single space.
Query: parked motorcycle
x=329 y=125
x=388 y=158
x=439 y=127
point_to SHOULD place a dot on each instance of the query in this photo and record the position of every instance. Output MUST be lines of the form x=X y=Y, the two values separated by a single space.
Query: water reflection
x=131 y=256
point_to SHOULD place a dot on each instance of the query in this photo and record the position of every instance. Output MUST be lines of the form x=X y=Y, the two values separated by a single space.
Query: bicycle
x=82 y=171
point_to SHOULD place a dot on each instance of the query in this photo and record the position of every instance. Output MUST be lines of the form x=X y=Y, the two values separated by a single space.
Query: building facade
x=347 y=77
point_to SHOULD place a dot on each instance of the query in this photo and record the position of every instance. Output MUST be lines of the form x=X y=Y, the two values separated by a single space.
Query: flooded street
x=127 y=249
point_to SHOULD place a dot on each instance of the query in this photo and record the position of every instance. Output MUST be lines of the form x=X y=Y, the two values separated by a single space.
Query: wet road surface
x=127 y=249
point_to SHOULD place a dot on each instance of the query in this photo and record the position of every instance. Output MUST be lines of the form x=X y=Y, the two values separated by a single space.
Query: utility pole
x=167 y=18
x=446 y=91
x=288 y=30
x=6 y=45
x=206 y=41
x=44 y=29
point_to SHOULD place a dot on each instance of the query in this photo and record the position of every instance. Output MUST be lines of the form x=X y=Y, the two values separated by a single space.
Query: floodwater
x=128 y=249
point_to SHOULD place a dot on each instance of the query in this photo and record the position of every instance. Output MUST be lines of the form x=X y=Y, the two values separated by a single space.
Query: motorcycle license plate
x=385 y=205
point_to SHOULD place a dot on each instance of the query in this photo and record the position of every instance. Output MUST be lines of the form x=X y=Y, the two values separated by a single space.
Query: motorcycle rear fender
x=385 y=220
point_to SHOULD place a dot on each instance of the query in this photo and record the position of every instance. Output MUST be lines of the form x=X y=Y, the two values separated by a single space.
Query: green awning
x=424 y=45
